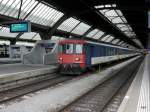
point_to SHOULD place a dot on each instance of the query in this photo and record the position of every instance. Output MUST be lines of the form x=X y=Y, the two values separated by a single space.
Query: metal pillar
x=57 y=24
x=148 y=43
x=12 y=42
x=44 y=35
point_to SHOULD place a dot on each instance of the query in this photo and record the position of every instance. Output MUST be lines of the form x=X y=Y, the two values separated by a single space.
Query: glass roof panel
x=111 y=13
x=27 y=35
x=98 y=35
x=68 y=24
x=36 y=37
x=120 y=43
x=81 y=28
x=45 y=15
x=92 y=33
x=109 y=39
x=116 y=17
x=41 y=14
x=117 y=20
x=105 y=38
x=4 y=31
x=115 y=41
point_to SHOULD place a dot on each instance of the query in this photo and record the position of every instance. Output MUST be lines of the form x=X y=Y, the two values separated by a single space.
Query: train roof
x=75 y=41
x=82 y=41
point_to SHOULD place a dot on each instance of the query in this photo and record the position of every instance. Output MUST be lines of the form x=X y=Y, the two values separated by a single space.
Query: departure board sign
x=19 y=27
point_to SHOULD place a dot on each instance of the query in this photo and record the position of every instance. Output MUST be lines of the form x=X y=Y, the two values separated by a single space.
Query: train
x=76 y=55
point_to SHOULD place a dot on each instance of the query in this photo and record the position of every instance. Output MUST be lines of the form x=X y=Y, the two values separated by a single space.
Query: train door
x=87 y=50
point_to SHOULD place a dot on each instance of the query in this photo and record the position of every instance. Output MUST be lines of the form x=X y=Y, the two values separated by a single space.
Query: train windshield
x=72 y=48
x=79 y=48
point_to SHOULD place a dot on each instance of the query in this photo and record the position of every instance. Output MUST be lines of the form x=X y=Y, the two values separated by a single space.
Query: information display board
x=19 y=27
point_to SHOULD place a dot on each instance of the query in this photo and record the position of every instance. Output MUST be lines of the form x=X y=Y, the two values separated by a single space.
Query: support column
x=148 y=43
x=44 y=35
x=57 y=24
x=12 y=42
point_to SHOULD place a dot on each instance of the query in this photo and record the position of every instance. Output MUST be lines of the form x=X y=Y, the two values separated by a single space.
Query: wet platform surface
x=137 y=98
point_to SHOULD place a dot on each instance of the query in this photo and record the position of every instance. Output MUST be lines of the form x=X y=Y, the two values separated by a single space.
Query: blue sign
x=47 y=45
x=20 y=27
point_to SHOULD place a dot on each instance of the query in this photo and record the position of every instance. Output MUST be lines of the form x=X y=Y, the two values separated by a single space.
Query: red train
x=75 y=56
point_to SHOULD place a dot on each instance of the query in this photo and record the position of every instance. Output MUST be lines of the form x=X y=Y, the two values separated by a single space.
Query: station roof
x=120 y=22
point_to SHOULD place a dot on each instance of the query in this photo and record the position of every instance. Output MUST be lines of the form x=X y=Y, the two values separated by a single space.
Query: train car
x=75 y=56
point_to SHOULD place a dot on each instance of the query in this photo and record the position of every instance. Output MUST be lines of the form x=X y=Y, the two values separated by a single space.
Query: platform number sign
x=20 y=27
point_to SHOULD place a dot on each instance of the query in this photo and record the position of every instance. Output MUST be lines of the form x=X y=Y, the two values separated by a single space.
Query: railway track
x=14 y=93
x=35 y=85
x=97 y=100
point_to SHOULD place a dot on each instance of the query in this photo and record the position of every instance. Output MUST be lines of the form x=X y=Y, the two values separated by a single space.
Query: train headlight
x=60 y=59
x=77 y=59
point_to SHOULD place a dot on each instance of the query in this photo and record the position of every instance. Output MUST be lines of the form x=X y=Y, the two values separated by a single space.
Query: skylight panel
x=98 y=35
x=31 y=10
x=68 y=24
x=117 y=20
x=105 y=38
x=116 y=17
x=45 y=15
x=111 y=13
x=81 y=28
x=5 y=32
x=115 y=41
x=92 y=33
x=36 y=37
x=109 y=39
x=27 y=35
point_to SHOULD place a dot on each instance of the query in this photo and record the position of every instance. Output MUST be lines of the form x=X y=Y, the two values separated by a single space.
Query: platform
x=9 y=60
x=56 y=98
x=11 y=72
x=137 y=98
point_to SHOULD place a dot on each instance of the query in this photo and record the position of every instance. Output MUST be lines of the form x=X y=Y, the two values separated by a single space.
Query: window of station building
x=79 y=48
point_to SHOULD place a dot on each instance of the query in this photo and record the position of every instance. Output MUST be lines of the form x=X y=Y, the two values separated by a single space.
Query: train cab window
x=79 y=49
x=67 y=48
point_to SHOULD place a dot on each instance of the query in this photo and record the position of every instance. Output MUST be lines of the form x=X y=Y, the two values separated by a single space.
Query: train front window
x=71 y=48
x=79 y=49
x=67 y=48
